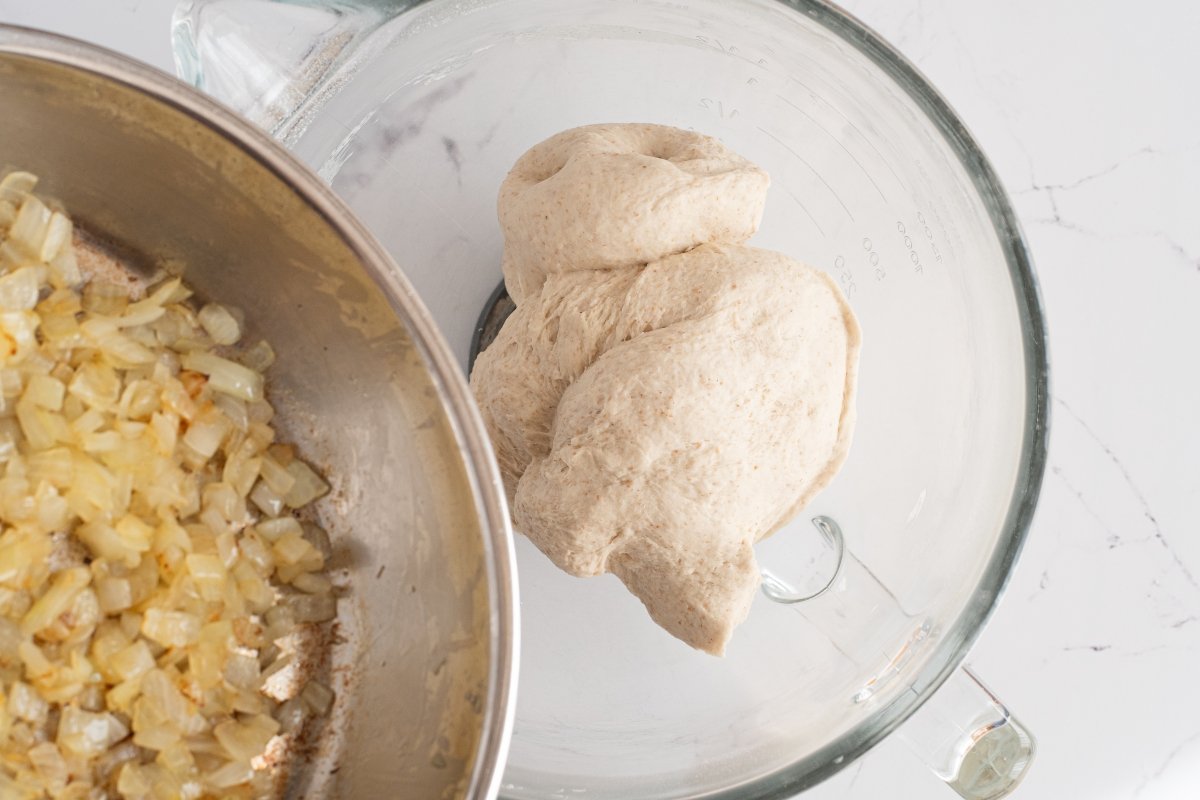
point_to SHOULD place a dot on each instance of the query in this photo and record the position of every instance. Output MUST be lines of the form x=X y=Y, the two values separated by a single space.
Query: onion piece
x=230 y=774
x=259 y=357
x=171 y=628
x=57 y=238
x=19 y=289
x=220 y=324
x=16 y=186
x=225 y=375
x=25 y=703
x=245 y=740
x=28 y=231
x=56 y=600
x=88 y=734
x=50 y=766
x=308 y=485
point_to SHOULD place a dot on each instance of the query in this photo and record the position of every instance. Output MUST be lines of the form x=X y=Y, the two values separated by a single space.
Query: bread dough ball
x=655 y=418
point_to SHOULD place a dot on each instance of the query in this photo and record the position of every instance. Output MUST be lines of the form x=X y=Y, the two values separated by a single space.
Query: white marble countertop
x=1090 y=116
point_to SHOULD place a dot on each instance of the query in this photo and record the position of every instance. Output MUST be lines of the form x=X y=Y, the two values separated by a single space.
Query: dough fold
x=608 y=196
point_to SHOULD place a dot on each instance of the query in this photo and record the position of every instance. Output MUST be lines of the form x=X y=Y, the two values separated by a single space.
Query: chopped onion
x=149 y=309
x=220 y=324
x=88 y=734
x=16 y=186
x=241 y=670
x=313 y=607
x=254 y=588
x=234 y=410
x=103 y=542
x=19 y=289
x=319 y=539
x=177 y=758
x=65 y=268
x=259 y=357
x=312 y=583
x=114 y=594
x=207 y=431
x=134 y=533
x=45 y=392
x=108 y=299
x=40 y=427
x=225 y=375
x=208 y=658
x=97 y=385
x=308 y=486
x=317 y=697
x=171 y=628
x=266 y=499
x=25 y=703
x=92 y=698
x=135 y=781
x=11 y=382
x=55 y=466
x=254 y=551
x=56 y=600
x=58 y=236
x=291 y=548
x=231 y=774
x=139 y=592
x=241 y=473
x=133 y=661
x=274 y=529
x=245 y=740
x=124 y=351
x=29 y=229
x=281 y=622
x=291 y=715
x=139 y=400
x=260 y=411
x=277 y=477
x=50 y=766
x=208 y=574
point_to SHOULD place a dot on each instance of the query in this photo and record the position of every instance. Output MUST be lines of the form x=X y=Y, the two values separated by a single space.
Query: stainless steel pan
x=425 y=652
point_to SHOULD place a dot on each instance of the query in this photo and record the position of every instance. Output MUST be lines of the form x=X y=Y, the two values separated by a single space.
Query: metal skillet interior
x=422 y=661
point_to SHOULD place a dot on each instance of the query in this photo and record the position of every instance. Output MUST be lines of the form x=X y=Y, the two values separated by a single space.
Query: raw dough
x=663 y=396
x=606 y=196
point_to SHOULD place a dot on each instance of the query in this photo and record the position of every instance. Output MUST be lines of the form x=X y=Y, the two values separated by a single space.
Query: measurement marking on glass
x=718 y=106
x=853 y=127
x=838 y=141
x=813 y=169
x=937 y=254
x=913 y=254
x=873 y=258
x=807 y=213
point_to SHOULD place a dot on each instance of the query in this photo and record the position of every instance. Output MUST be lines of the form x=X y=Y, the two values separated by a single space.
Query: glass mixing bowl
x=414 y=115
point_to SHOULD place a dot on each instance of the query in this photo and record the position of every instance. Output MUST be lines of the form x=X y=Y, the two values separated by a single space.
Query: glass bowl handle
x=273 y=61
x=963 y=732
